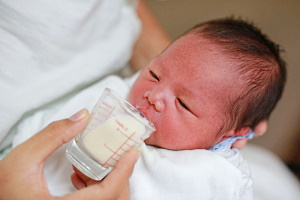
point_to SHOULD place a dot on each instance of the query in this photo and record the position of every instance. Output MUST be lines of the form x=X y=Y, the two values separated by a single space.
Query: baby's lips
x=144 y=109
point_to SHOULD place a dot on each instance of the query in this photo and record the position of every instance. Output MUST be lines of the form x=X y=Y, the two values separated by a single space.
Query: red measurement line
x=120 y=148
x=104 y=108
x=128 y=145
x=129 y=138
x=110 y=113
x=114 y=152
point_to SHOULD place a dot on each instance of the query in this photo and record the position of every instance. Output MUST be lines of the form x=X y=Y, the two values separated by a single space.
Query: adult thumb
x=45 y=142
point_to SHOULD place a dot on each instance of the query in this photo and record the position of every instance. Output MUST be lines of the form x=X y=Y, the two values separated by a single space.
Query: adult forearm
x=152 y=40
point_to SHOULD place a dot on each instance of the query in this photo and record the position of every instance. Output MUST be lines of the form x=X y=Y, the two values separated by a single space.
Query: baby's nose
x=155 y=99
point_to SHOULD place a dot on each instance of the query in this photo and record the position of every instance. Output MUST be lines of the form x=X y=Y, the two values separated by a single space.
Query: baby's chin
x=172 y=145
x=152 y=141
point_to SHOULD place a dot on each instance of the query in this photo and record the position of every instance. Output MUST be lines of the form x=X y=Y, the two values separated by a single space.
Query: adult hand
x=259 y=130
x=21 y=171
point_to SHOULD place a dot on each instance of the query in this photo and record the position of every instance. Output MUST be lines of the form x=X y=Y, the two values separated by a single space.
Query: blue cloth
x=229 y=141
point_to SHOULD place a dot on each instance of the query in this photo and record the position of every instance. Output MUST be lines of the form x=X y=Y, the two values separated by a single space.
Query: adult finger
x=44 y=143
x=79 y=179
x=240 y=143
x=118 y=177
x=261 y=128
x=114 y=184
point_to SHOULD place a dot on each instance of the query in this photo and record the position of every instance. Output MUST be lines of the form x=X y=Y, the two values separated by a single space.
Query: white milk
x=111 y=139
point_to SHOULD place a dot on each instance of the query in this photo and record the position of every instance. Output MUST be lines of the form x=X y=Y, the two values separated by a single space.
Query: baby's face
x=185 y=92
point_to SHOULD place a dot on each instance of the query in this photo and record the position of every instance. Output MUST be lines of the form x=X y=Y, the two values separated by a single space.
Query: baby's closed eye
x=183 y=104
x=154 y=75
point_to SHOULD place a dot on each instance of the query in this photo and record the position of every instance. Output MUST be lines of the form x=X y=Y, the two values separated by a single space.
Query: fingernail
x=79 y=115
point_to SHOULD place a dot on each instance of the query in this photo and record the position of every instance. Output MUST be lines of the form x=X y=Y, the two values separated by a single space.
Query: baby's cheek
x=167 y=139
x=149 y=139
x=152 y=140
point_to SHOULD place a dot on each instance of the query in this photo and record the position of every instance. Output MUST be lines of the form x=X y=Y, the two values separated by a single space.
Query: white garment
x=272 y=179
x=192 y=174
x=159 y=173
x=51 y=48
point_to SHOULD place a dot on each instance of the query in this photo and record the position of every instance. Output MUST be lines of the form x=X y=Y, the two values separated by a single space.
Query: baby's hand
x=259 y=130
x=81 y=181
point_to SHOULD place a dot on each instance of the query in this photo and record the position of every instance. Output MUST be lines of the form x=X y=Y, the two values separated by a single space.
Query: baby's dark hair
x=259 y=63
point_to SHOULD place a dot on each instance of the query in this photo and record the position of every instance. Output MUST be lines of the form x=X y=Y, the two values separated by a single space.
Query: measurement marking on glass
x=129 y=138
x=109 y=112
x=93 y=123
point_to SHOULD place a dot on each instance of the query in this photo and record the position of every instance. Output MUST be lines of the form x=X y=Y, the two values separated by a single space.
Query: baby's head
x=217 y=80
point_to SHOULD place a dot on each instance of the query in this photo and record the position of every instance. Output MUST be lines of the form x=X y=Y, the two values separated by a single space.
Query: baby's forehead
x=194 y=59
x=192 y=45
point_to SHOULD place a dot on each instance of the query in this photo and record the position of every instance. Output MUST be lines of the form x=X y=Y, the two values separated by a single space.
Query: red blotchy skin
x=185 y=92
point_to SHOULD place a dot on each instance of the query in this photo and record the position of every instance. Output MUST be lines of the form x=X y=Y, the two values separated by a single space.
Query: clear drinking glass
x=115 y=127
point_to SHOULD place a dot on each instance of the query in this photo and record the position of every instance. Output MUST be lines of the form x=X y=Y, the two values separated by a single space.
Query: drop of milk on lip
x=111 y=139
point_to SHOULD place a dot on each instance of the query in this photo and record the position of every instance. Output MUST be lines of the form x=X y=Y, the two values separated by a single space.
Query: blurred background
x=280 y=20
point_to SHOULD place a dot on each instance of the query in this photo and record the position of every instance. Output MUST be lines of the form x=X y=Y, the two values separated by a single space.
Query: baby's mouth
x=144 y=110
x=141 y=110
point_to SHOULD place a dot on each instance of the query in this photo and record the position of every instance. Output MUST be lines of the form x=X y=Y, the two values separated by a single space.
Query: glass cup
x=115 y=127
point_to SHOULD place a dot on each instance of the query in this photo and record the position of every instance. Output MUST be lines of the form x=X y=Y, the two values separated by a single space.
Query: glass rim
x=140 y=117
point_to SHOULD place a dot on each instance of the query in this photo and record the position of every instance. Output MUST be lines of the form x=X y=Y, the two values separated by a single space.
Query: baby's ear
x=238 y=132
